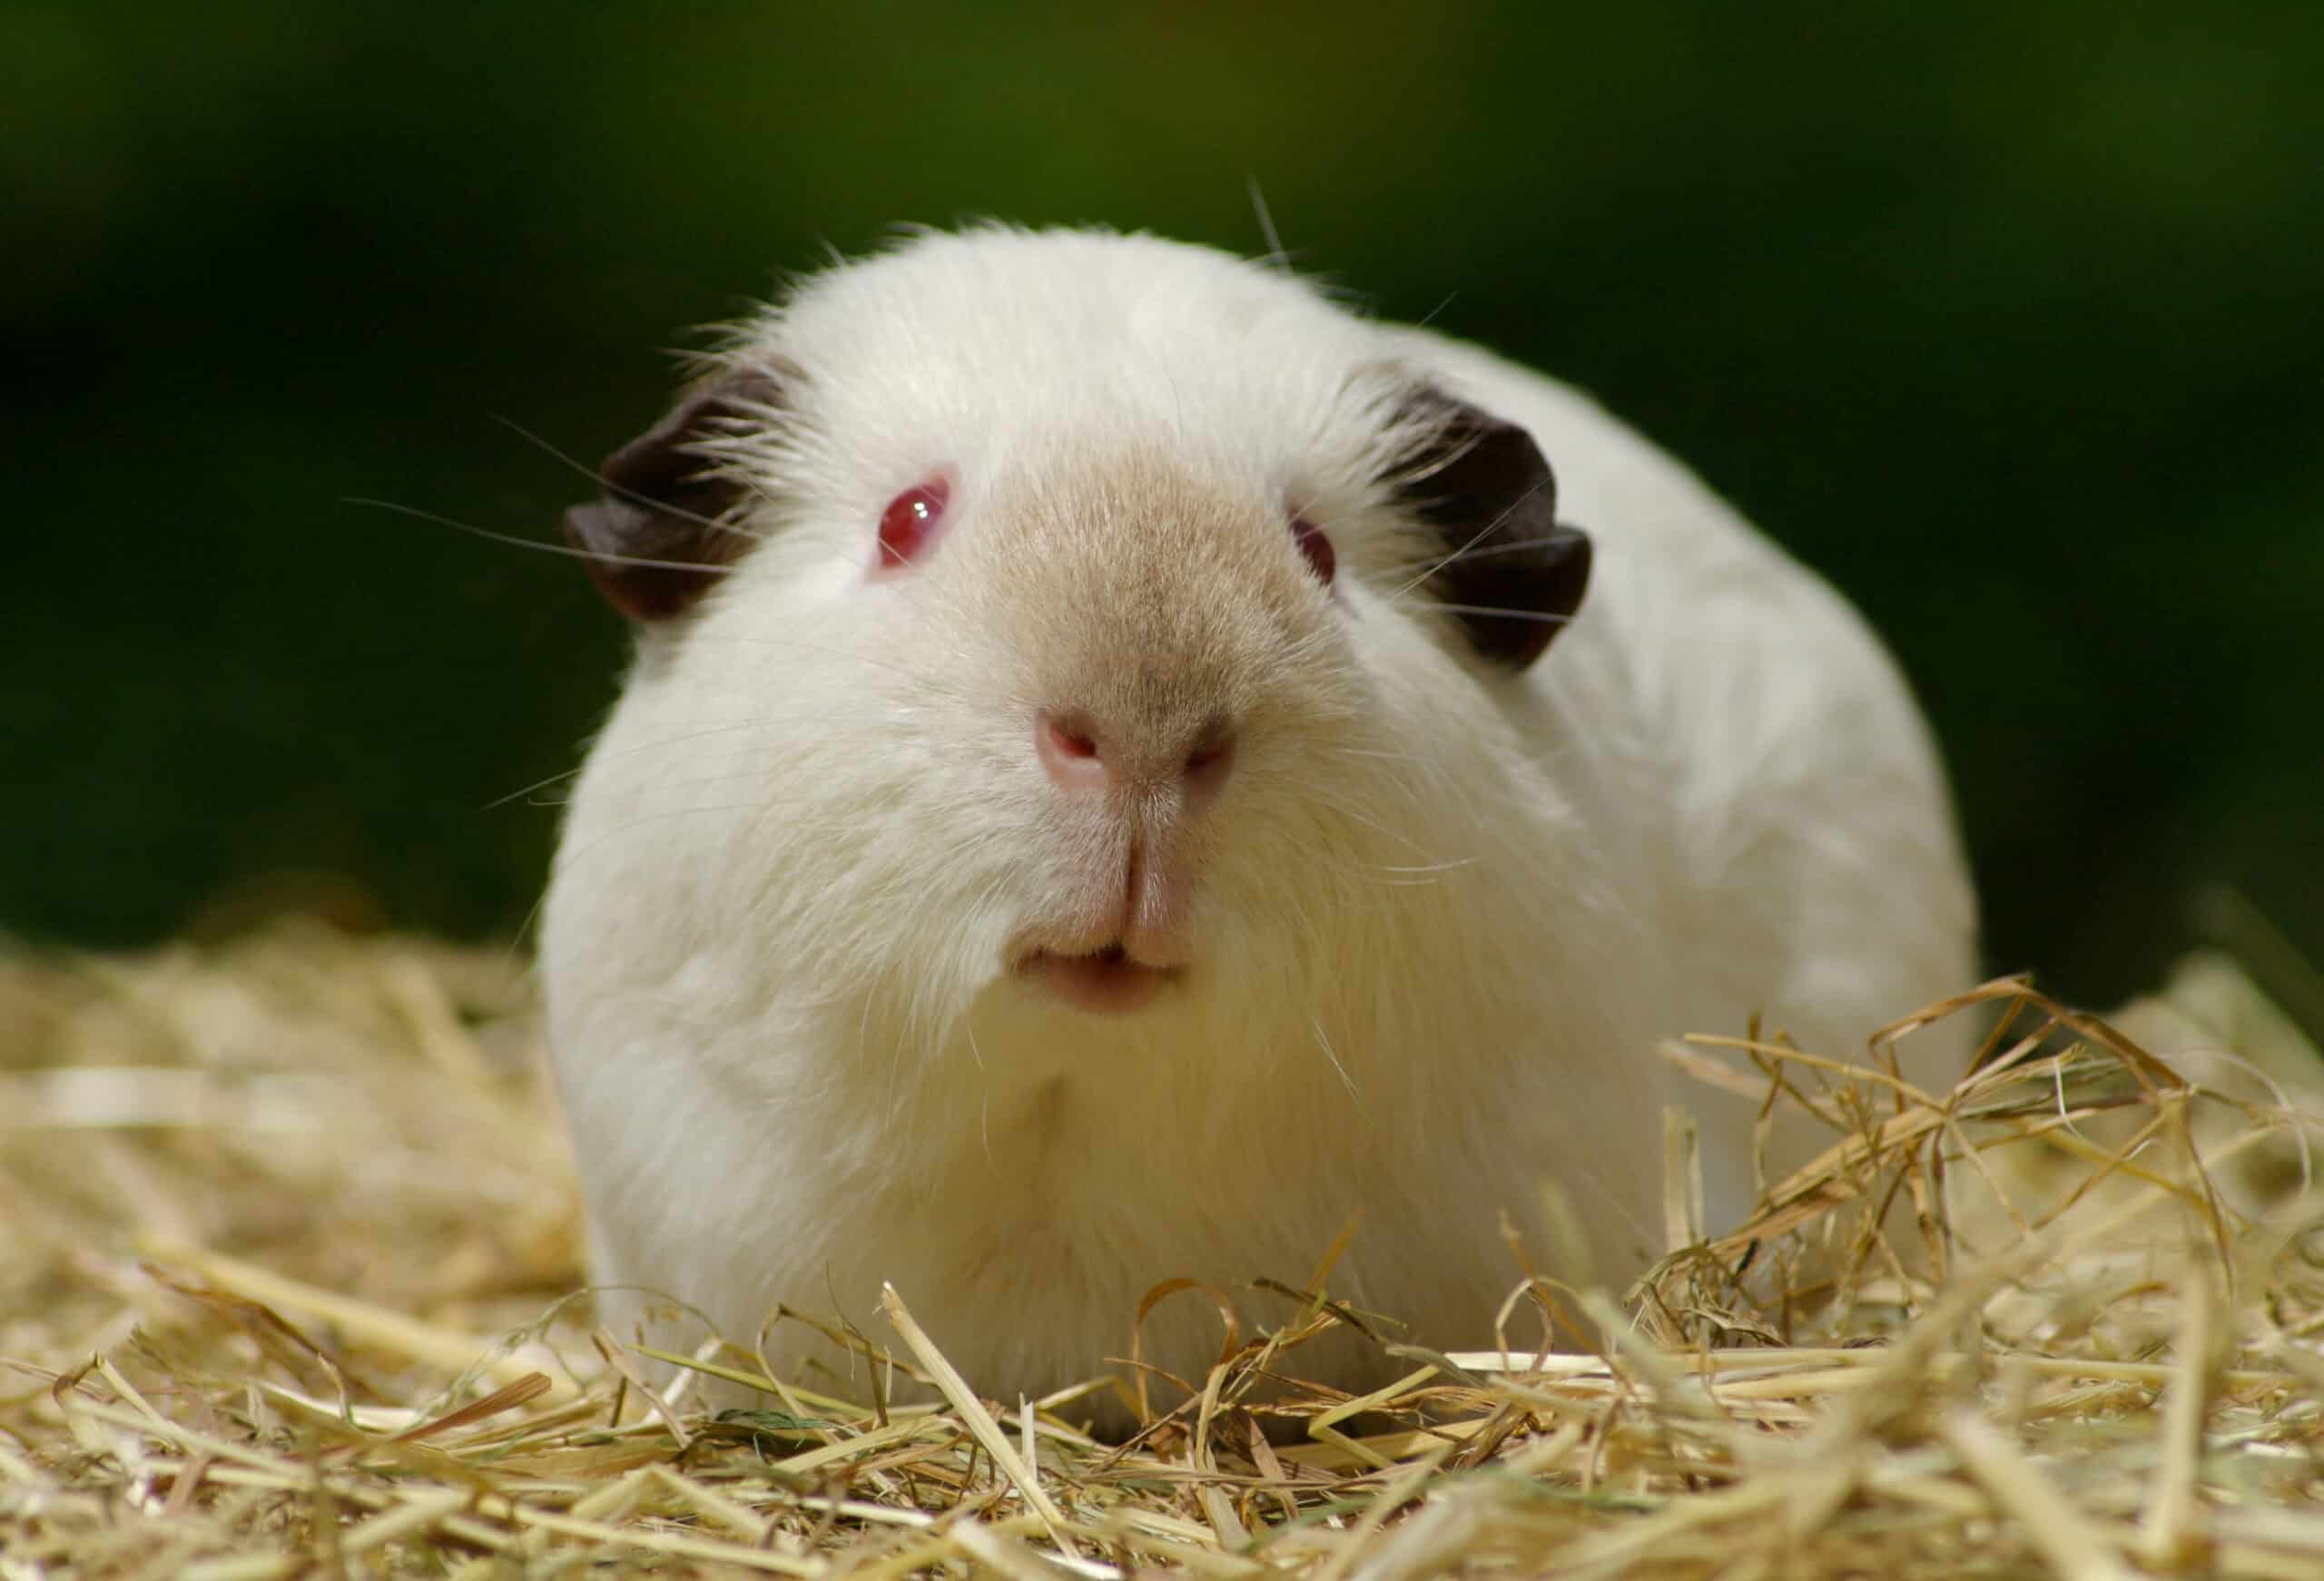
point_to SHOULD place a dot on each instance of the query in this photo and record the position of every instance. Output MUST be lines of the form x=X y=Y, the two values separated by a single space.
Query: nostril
x=1066 y=745
x=1080 y=757
x=1207 y=767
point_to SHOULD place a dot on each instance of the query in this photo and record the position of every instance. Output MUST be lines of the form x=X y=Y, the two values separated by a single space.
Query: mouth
x=1106 y=982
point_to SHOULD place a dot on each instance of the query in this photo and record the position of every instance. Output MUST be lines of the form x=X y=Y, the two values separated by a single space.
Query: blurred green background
x=2006 y=318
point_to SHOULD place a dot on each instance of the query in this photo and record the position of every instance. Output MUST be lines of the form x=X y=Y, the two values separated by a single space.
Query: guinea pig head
x=1087 y=710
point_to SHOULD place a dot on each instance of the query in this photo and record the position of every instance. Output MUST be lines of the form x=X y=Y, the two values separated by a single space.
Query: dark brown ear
x=656 y=539
x=1509 y=572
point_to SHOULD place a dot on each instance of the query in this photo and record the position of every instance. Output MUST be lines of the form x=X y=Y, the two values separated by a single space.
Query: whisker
x=1481 y=534
x=537 y=544
x=1512 y=547
x=1350 y=813
x=1537 y=616
x=934 y=683
x=662 y=508
x=1276 y=257
x=1346 y=1080
x=1384 y=757
x=1424 y=321
x=499 y=802
x=636 y=823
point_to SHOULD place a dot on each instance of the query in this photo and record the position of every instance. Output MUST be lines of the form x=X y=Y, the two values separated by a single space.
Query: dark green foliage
x=2006 y=318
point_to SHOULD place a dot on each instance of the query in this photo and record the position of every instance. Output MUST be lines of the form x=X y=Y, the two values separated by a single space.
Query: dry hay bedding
x=288 y=1238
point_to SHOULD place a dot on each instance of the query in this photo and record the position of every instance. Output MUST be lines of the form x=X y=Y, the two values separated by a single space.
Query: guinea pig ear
x=656 y=538
x=1511 y=574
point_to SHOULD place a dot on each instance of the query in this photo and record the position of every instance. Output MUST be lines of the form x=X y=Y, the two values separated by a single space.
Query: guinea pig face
x=1160 y=659
x=1065 y=640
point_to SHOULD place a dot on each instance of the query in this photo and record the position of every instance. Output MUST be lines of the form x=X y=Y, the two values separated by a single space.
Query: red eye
x=908 y=526
x=1314 y=543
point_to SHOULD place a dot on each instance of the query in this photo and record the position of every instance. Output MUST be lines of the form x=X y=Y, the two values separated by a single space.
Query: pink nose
x=1082 y=755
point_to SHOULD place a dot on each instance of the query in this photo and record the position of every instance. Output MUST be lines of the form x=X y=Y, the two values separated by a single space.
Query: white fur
x=1441 y=917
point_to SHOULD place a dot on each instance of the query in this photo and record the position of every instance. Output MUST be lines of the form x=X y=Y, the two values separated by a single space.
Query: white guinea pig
x=1127 y=766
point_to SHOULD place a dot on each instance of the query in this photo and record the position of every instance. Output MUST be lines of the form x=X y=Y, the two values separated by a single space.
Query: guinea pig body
x=1121 y=774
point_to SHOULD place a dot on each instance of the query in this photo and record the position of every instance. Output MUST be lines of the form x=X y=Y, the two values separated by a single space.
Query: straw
x=287 y=1238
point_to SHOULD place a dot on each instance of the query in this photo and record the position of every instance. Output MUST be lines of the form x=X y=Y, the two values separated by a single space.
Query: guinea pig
x=1129 y=765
